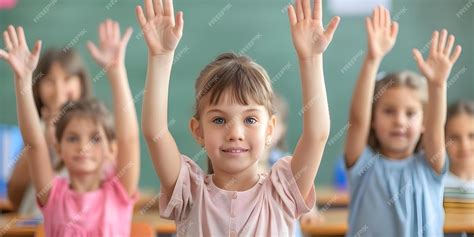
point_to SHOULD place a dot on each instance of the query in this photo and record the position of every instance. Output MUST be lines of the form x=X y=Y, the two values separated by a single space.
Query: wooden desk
x=8 y=224
x=334 y=223
x=329 y=197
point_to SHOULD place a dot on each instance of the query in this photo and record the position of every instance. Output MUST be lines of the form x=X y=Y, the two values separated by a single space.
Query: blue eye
x=250 y=121
x=218 y=121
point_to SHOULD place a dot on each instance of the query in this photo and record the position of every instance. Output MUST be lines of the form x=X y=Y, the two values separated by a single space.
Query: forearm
x=28 y=118
x=435 y=119
x=362 y=98
x=315 y=109
x=155 y=101
x=124 y=107
x=18 y=182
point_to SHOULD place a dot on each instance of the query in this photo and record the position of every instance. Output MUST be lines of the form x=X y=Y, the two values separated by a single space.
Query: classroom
x=345 y=118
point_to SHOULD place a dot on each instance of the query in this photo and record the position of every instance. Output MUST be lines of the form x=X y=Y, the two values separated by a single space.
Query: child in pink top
x=234 y=123
x=86 y=204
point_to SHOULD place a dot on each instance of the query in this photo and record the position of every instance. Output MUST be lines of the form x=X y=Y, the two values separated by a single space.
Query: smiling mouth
x=235 y=150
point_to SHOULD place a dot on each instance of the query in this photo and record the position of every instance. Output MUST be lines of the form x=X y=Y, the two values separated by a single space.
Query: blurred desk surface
x=334 y=222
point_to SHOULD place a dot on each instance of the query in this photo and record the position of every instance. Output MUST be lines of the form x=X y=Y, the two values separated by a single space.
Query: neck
x=396 y=155
x=462 y=172
x=236 y=182
x=82 y=183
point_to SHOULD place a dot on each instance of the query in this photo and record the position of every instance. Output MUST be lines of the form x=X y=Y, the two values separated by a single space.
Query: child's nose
x=235 y=132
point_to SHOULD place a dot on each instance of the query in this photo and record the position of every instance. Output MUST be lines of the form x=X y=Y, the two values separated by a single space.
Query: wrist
x=371 y=58
x=311 y=60
x=437 y=84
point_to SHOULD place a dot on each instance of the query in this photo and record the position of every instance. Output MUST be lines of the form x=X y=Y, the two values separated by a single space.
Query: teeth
x=234 y=151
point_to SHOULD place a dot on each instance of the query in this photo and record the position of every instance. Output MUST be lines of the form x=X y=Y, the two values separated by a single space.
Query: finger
x=442 y=40
x=307 y=9
x=3 y=54
x=168 y=8
x=292 y=15
x=102 y=33
x=383 y=16
x=178 y=28
x=37 y=49
x=6 y=39
x=13 y=36
x=149 y=9
x=21 y=36
x=318 y=10
x=457 y=52
x=387 y=18
x=93 y=50
x=394 y=30
x=369 y=26
x=127 y=35
x=419 y=59
x=116 y=31
x=376 y=18
x=158 y=5
x=449 y=45
x=332 y=27
x=140 y=16
x=434 y=42
x=299 y=10
x=109 y=29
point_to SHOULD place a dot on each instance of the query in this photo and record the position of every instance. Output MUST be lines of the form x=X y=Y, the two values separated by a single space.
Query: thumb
x=126 y=36
x=419 y=60
x=332 y=27
x=178 y=28
x=93 y=50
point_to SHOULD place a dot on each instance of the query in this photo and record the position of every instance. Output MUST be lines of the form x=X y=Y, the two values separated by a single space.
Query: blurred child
x=60 y=77
x=86 y=204
x=460 y=146
x=396 y=188
x=234 y=122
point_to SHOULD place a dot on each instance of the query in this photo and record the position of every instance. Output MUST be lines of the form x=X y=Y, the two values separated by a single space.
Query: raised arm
x=310 y=41
x=162 y=33
x=436 y=69
x=23 y=62
x=381 y=36
x=111 y=57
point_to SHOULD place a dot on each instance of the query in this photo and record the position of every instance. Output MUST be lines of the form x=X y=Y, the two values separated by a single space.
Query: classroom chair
x=138 y=230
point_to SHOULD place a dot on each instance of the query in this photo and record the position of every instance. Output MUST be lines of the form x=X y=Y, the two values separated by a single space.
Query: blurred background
x=256 y=28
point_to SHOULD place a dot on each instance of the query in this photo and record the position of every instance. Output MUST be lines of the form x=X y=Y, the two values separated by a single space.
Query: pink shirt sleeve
x=58 y=187
x=189 y=184
x=286 y=192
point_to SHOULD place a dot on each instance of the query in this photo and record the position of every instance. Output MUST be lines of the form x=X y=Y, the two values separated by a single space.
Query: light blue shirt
x=395 y=197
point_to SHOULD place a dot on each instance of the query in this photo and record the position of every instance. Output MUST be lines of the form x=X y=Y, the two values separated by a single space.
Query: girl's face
x=234 y=135
x=460 y=140
x=57 y=87
x=84 y=147
x=398 y=121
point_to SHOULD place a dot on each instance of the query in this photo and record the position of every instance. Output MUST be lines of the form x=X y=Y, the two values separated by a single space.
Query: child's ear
x=196 y=130
x=271 y=126
x=113 y=149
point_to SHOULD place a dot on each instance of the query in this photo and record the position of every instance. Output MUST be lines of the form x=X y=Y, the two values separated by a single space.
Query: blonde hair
x=407 y=79
x=244 y=79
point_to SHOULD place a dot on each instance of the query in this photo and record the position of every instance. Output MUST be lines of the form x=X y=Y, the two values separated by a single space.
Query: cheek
x=45 y=93
x=74 y=89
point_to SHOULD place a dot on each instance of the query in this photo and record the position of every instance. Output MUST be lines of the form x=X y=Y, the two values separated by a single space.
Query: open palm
x=161 y=30
x=382 y=32
x=17 y=54
x=307 y=31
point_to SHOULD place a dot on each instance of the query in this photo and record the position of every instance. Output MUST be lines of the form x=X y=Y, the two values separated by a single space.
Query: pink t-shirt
x=104 y=212
x=269 y=208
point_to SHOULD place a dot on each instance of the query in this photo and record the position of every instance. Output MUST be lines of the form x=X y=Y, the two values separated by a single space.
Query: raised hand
x=307 y=31
x=381 y=32
x=440 y=61
x=161 y=30
x=112 y=47
x=22 y=61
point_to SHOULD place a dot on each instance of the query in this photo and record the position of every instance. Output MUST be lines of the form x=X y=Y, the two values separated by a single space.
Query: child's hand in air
x=307 y=31
x=440 y=61
x=381 y=33
x=112 y=46
x=22 y=61
x=161 y=29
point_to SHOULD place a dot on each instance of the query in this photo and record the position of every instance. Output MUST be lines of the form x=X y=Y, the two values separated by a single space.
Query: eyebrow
x=77 y=134
x=223 y=112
